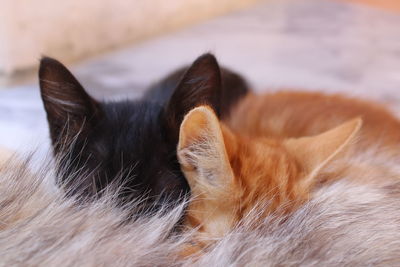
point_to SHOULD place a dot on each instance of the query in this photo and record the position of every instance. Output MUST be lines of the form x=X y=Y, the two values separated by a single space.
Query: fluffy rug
x=344 y=225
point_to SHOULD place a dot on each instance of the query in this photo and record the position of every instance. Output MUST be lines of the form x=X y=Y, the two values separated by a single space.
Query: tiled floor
x=333 y=46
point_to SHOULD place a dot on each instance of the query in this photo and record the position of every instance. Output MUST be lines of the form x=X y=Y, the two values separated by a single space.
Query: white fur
x=346 y=224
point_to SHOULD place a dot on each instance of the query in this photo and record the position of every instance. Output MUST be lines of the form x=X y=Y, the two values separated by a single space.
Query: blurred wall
x=393 y=5
x=79 y=28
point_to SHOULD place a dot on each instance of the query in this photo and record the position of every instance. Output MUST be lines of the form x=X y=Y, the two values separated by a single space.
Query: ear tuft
x=198 y=126
x=201 y=152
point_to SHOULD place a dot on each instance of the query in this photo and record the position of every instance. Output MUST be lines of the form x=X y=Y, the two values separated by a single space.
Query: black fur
x=134 y=141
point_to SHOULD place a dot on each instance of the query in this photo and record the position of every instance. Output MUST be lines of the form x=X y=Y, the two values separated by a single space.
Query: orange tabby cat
x=274 y=151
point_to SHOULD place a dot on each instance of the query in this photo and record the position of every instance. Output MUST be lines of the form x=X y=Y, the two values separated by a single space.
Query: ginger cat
x=273 y=151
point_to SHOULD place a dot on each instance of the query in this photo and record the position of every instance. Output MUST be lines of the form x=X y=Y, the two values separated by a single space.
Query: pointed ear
x=202 y=154
x=313 y=153
x=200 y=85
x=69 y=108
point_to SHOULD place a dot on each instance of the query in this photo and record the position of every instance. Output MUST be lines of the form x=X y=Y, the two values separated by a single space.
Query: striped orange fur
x=273 y=152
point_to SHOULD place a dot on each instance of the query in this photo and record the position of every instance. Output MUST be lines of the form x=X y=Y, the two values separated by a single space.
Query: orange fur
x=273 y=154
x=296 y=114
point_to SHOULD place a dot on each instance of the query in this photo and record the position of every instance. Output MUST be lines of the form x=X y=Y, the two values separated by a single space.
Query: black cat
x=130 y=142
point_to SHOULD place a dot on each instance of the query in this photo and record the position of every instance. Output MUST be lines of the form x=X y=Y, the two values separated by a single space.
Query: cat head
x=131 y=142
x=229 y=175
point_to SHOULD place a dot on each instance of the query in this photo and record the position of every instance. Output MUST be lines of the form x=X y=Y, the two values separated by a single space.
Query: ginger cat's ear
x=202 y=154
x=314 y=152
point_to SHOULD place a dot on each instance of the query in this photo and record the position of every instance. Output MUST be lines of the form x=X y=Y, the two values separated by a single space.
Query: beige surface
x=393 y=5
x=74 y=29
x=313 y=45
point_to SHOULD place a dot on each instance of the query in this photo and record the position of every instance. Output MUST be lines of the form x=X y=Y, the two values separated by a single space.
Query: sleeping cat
x=130 y=143
x=275 y=150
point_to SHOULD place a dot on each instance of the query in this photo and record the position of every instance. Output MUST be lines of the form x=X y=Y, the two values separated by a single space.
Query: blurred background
x=117 y=48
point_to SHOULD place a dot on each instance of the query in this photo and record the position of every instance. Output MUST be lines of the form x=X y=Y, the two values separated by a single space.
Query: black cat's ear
x=69 y=108
x=200 y=85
